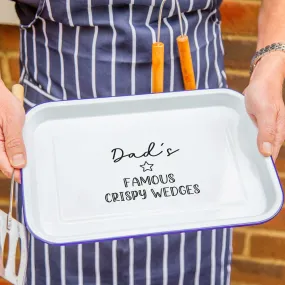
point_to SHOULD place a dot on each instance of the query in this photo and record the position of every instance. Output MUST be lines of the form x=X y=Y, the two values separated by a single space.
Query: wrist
x=264 y=52
x=270 y=66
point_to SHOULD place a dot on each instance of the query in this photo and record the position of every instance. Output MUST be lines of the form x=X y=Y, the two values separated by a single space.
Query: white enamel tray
x=138 y=165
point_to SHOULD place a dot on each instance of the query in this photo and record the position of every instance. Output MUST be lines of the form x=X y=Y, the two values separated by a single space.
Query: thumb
x=266 y=123
x=14 y=144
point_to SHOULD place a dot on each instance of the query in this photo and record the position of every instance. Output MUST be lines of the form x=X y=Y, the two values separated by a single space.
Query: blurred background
x=259 y=251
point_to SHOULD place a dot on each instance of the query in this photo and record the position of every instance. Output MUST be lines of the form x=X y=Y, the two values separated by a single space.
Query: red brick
x=9 y=38
x=238 y=242
x=267 y=247
x=1 y=68
x=237 y=82
x=250 y=272
x=240 y=17
x=238 y=53
x=14 y=69
x=281 y=153
x=280 y=165
x=243 y=283
x=277 y=223
x=4 y=282
x=4 y=188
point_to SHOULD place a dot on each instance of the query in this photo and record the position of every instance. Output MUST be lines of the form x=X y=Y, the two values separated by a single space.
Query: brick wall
x=9 y=54
x=259 y=251
x=239 y=28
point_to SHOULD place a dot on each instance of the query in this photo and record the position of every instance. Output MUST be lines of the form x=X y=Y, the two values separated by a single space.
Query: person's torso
x=86 y=48
x=77 y=49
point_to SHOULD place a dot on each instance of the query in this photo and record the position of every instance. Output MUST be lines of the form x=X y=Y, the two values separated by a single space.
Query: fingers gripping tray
x=141 y=165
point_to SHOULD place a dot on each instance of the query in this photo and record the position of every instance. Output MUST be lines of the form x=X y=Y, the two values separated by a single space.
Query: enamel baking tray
x=141 y=165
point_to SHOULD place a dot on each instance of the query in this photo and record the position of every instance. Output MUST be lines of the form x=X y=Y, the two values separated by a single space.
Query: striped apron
x=78 y=49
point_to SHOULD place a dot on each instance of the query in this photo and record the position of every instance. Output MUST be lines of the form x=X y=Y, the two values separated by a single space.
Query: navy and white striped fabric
x=77 y=49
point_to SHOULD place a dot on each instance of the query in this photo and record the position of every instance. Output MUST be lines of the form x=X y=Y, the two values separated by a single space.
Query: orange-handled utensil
x=184 y=55
x=184 y=51
x=186 y=62
x=158 y=58
x=157 y=67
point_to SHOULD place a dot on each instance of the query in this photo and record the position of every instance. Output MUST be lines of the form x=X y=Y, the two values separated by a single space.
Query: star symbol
x=146 y=166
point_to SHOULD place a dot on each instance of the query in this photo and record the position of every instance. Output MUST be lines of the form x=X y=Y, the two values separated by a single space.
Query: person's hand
x=12 y=149
x=264 y=103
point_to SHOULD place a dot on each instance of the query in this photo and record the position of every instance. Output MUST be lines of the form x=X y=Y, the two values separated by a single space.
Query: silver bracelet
x=264 y=51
